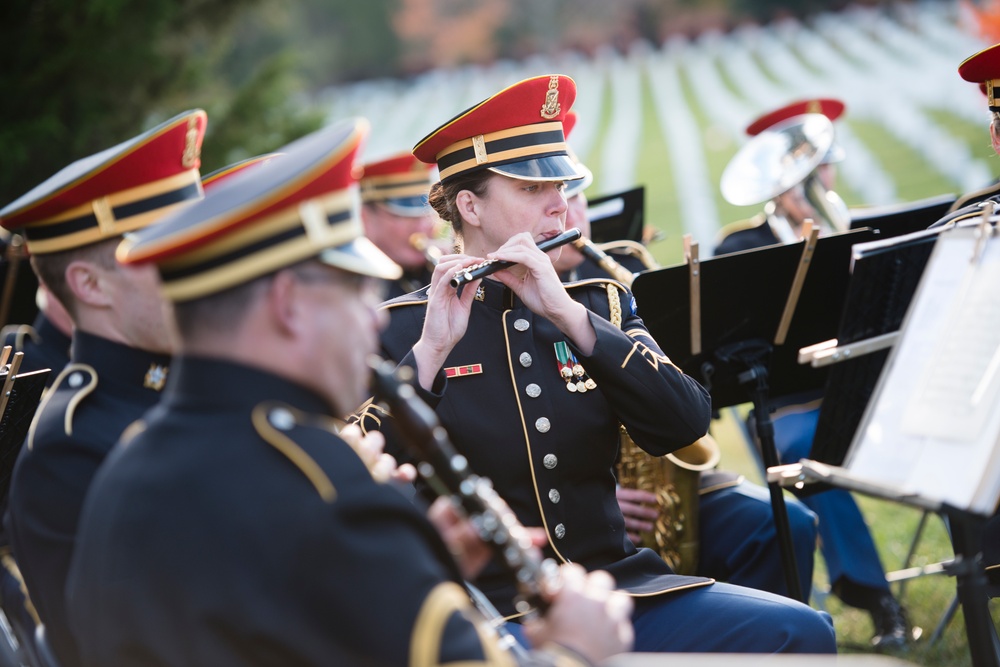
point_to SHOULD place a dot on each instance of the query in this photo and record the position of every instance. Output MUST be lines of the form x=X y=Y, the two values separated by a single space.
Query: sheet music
x=958 y=388
x=933 y=425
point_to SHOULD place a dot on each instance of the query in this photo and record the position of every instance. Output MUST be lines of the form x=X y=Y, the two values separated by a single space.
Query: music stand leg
x=966 y=536
x=753 y=356
x=765 y=434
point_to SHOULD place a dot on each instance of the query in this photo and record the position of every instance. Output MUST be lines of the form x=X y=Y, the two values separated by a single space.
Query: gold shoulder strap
x=615 y=304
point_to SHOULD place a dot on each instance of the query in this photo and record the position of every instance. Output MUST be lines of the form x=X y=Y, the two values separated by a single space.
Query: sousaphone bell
x=782 y=157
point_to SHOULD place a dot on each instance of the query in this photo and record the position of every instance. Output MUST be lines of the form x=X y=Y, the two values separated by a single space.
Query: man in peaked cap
x=72 y=224
x=398 y=219
x=46 y=341
x=266 y=539
x=783 y=216
x=533 y=379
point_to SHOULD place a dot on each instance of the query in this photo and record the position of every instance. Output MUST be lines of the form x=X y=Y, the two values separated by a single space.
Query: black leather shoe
x=889 y=619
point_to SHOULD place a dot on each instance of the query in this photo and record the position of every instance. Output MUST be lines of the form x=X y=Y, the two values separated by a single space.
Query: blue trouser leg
x=845 y=541
x=723 y=618
x=738 y=541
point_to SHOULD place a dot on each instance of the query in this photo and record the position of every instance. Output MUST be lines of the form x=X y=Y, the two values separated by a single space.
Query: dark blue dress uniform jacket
x=92 y=401
x=551 y=453
x=238 y=529
x=752 y=233
x=44 y=345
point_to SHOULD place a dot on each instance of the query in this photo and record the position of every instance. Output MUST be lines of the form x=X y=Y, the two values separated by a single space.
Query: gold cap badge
x=551 y=107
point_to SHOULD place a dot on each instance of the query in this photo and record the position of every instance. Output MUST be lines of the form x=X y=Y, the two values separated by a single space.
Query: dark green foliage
x=81 y=75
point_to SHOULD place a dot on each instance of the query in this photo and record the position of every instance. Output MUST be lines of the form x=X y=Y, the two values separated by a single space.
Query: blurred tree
x=769 y=10
x=82 y=75
x=446 y=33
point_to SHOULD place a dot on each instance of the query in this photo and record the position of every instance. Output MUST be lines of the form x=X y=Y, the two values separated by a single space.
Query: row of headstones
x=890 y=67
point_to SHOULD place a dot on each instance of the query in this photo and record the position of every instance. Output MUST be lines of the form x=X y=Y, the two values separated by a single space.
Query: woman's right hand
x=446 y=319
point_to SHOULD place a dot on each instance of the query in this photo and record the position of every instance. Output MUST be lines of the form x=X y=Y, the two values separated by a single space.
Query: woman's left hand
x=535 y=281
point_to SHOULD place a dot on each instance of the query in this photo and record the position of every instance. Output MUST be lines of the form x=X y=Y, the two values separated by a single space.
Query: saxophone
x=674 y=478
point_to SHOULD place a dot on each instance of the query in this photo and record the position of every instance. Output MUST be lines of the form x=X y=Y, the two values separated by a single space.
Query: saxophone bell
x=674 y=480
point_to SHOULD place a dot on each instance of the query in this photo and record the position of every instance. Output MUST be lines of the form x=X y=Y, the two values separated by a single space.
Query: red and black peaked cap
x=517 y=132
x=983 y=68
x=303 y=203
x=118 y=190
x=400 y=182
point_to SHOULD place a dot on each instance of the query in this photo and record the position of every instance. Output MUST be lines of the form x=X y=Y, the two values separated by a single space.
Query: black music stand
x=618 y=216
x=903 y=449
x=884 y=278
x=745 y=299
x=899 y=219
x=21 y=395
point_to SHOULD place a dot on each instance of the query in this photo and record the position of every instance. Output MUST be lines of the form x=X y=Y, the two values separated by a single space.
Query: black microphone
x=483 y=269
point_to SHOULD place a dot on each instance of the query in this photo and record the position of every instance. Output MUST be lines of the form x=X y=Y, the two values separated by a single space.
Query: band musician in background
x=398 y=219
x=855 y=570
x=121 y=344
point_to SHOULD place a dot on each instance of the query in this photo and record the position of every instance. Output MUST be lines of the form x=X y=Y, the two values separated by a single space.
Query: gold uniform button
x=560 y=531
x=533 y=390
x=542 y=425
x=521 y=324
x=554 y=496
x=550 y=461
x=525 y=359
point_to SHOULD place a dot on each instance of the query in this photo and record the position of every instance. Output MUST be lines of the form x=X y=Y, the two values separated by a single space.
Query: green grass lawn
x=893 y=526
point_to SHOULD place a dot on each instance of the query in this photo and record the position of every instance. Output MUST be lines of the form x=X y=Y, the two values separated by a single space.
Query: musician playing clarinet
x=233 y=526
x=532 y=378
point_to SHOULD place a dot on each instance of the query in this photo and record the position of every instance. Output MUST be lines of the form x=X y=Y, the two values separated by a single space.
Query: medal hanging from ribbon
x=572 y=371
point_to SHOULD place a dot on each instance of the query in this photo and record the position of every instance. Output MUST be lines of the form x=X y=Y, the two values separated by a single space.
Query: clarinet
x=448 y=474
x=605 y=261
x=490 y=266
